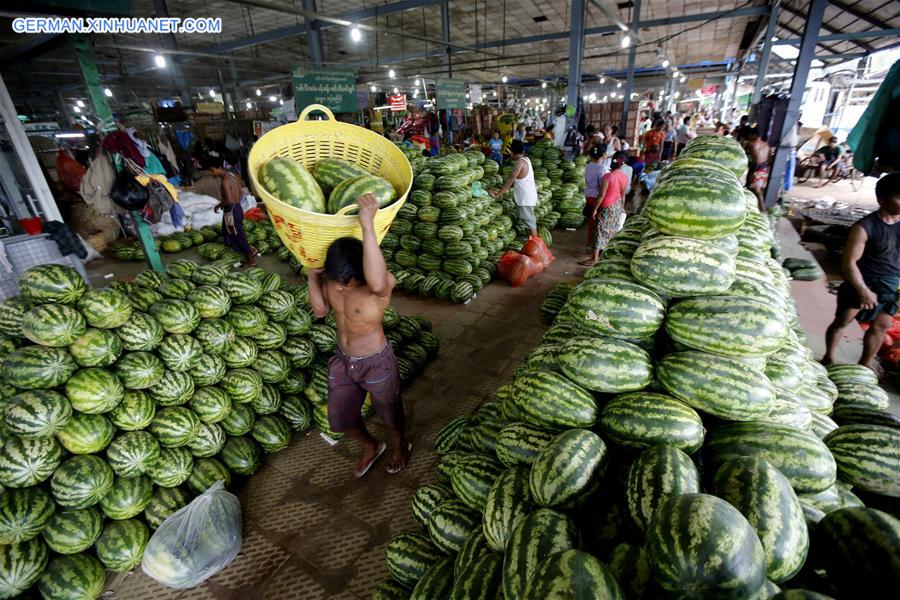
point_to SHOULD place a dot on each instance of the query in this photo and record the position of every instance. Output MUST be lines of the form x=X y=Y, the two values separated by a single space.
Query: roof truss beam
x=797 y=13
x=863 y=16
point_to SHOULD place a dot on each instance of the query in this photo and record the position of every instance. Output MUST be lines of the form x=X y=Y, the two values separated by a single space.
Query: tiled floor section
x=312 y=531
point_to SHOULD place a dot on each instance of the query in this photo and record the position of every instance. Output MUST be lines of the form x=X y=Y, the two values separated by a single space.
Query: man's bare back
x=358 y=312
x=760 y=151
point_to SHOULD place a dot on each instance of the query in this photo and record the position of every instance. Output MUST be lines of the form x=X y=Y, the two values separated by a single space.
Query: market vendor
x=871 y=268
x=829 y=156
x=356 y=284
x=522 y=183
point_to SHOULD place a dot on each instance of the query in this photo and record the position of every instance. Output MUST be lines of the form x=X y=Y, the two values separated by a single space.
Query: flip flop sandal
x=393 y=470
x=381 y=448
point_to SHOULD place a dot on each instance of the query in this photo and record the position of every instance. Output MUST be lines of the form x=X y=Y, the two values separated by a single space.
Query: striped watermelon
x=209 y=440
x=175 y=426
x=346 y=193
x=247 y=320
x=508 y=502
x=658 y=473
x=150 y=279
x=175 y=389
x=58 y=284
x=205 y=472
x=297 y=410
x=73 y=577
x=521 y=443
x=180 y=352
x=175 y=316
x=535 y=537
x=716 y=207
x=271 y=432
x=94 y=390
x=717 y=385
x=481 y=580
x=727 y=326
x=409 y=556
x=142 y=298
x=242 y=455
x=472 y=478
x=36 y=413
x=721 y=150
x=765 y=497
x=105 y=309
x=867 y=457
x=215 y=336
x=209 y=370
x=25 y=462
x=243 y=288
x=97 y=347
x=12 y=312
x=23 y=514
x=211 y=404
x=677 y=267
x=436 y=582
x=550 y=400
x=243 y=385
x=53 y=325
x=241 y=354
x=800 y=456
x=173 y=467
x=163 y=504
x=573 y=574
x=121 y=545
x=175 y=288
x=73 y=531
x=616 y=308
x=210 y=301
x=272 y=337
x=141 y=333
x=853 y=415
x=862 y=395
x=329 y=172
x=139 y=370
x=446 y=439
x=645 y=419
x=426 y=499
x=300 y=350
x=132 y=452
x=324 y=338
x=38 y=367
x=127 y=498
x=290 y=182
x=605 y=365
x=239 y=421
x=859 y=548
x=472 y=550
x=567 y=468
x=450 y=524
x=21 y=566
x=701 y=545
x=278 y=304
x=86 y=433
x=273 y=366
x=835 y=497
x=849 y=373
x=81 y=481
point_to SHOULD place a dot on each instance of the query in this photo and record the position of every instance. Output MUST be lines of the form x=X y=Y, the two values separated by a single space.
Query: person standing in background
x=233 y=216
x=653 y=141
x=496 y=146
x=521 y=180
x=559 y=128
x=434 y=143
x=758 y=173
x=792 y=141
x=593 y=178
x=668 y=147
x=610 y=208
x=682 y=136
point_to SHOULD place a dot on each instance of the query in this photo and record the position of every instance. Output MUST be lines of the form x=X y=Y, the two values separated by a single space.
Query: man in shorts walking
x=524 y=189
x=871 y=267
x=357 y=286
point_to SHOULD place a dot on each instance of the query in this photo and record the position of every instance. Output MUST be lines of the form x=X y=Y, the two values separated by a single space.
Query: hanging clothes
x=184 y=138
x=65 y=238
x=140 y=144
x=165 y=148
x=119 y=142
x=97 y=182
x=152 y=166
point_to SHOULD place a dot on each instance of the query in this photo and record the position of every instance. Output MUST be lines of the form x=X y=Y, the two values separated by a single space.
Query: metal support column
x=85 y=56
x=313 y=34
x=629 y=81
x=22 y=147
x=766 y=53
x=576 y=56
x=235 y=84
x=798 y=86
x=169 y=43
x=445 y=31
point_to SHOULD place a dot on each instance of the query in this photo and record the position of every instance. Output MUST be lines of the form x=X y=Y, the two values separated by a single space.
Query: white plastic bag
x=197 y=541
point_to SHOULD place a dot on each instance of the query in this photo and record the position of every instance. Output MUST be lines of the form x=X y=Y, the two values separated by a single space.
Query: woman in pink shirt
x=609 y=209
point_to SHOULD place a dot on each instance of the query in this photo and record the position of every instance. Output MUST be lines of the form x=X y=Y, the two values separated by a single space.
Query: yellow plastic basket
x=307 y=234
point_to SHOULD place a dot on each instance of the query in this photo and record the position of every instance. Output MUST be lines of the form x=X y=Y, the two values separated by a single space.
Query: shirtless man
x=758 y=152
x=357 y=286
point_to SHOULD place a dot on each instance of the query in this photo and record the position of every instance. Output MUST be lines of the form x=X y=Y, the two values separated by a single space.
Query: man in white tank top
x=522 y=183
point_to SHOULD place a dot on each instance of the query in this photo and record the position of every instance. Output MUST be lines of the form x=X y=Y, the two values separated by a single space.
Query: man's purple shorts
x=350 y=377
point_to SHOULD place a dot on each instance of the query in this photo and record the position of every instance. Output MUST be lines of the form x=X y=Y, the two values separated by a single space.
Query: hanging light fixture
x=392 y=73
x=272 y=98
x=626 y=40
x=418 y=82
x=373 y=89
x=80 y=104
x=258 y=92
x=543 y=85
x=504 y=79
x=396 y=91
x=76 y=109
x=355 y=33
x=212 y=93
x=683 y=79
x=281 y=101
x=108 y=92
x=602 y=80
x=619 y=84
x=160 y=61
x=249 y=106
x=665 y=63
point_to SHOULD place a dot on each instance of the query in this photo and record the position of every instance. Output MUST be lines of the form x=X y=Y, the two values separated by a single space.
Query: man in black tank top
x=871 y=268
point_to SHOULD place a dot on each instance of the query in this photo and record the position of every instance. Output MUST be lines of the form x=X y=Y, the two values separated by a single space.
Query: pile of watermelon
x=119 y=405
x=671 y=436
x=169 y=244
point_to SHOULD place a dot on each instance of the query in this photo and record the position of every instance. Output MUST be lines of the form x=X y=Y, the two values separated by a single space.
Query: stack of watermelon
x=671 y=436
x=169 y=244
x=118 y=405
x=445 y=242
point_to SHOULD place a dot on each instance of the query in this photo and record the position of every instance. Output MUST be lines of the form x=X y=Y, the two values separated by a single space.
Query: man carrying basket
x=357 y=286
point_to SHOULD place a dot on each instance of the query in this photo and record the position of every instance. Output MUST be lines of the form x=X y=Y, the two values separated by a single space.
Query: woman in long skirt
x=609 y=210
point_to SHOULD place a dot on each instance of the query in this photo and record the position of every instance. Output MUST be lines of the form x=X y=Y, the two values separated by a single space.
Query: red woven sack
x=538 y=251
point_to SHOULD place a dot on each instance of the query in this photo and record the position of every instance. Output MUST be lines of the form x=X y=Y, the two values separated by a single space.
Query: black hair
x=590 y=130
x=614 y=129
x=597 y=151
x=550 y=127
x=517 y=147
x=617 y=159
x=687 y=120
x=888 y=187
x=344 y=260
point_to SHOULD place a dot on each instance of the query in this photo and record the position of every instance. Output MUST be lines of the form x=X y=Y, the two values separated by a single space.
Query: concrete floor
x=311 y=530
